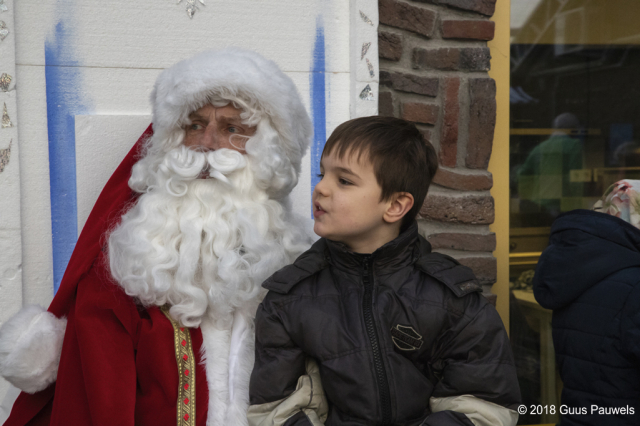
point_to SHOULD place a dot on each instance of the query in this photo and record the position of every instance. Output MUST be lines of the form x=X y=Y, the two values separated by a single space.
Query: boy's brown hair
x=403 y=161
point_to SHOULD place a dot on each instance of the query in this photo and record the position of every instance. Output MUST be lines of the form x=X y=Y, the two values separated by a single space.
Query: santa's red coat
x=118 y=363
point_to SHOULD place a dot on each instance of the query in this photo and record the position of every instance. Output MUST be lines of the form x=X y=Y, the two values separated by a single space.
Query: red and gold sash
x=186 y=406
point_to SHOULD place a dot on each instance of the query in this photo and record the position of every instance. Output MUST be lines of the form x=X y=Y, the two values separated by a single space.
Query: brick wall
x=433 y=71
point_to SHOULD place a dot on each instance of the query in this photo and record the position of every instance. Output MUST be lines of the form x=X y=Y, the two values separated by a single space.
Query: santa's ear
x=398 y=206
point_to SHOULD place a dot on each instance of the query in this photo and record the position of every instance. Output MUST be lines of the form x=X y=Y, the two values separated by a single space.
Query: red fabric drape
x=113 y=200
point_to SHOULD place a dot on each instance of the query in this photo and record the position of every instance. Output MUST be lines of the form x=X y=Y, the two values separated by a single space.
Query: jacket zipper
x=367 y=311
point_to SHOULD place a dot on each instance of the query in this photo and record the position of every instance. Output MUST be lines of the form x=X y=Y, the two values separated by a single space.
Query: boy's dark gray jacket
x=402 y=337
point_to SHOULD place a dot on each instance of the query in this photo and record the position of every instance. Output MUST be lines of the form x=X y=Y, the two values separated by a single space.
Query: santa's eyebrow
x=233 y=119
x=196 y=116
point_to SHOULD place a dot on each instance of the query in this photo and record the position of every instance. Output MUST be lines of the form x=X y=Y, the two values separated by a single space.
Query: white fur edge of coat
x=30 y=348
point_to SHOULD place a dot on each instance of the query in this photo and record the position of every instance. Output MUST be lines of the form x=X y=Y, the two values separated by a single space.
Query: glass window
x=575 y=129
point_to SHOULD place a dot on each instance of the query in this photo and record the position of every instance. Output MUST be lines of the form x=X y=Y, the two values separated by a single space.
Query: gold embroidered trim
x=186 y=406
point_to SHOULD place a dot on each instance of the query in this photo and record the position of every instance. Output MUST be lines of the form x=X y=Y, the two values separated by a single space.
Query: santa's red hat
x=236 y=73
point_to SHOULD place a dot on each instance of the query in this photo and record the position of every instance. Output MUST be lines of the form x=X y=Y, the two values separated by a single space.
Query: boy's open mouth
x=317 y=210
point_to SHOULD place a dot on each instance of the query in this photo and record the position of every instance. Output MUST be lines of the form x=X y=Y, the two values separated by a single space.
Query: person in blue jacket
x=589 y=275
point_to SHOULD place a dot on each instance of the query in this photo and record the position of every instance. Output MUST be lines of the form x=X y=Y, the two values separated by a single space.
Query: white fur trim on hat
x=187 y=85
x=30 y=347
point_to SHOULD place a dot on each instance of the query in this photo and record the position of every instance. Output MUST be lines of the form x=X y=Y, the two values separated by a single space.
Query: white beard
x=203 y=246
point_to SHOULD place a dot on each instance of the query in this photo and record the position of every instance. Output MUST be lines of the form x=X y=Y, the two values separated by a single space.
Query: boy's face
x=346 y=203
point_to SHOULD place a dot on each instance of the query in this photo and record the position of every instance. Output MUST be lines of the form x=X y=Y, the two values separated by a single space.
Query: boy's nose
x=320 y=189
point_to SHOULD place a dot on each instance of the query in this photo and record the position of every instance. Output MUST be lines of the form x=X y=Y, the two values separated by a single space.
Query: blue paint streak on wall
x=64 y=101
x=318 y=102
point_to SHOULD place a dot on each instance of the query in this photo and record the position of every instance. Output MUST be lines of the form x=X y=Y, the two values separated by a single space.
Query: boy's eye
x=320 y=175
x=344 y=181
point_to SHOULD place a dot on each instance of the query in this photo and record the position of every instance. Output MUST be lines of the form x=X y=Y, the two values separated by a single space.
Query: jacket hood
x=584 y=248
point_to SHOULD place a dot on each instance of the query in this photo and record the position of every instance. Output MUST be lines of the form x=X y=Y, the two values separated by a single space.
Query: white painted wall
x=114 y=50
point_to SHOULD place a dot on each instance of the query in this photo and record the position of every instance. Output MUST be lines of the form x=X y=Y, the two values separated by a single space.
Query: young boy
x=401 y=336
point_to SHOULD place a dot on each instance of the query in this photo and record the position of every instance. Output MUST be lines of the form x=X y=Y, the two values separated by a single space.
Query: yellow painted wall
x=499 y=164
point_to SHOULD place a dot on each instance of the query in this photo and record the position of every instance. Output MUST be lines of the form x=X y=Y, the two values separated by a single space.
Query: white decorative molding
x=365 y=71
x=10 y=235
x=10 y=221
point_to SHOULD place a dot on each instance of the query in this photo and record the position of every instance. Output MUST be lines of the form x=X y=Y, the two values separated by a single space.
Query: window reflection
x=575 y=129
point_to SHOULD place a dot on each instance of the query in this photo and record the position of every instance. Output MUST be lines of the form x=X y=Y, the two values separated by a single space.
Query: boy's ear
x=399 y=206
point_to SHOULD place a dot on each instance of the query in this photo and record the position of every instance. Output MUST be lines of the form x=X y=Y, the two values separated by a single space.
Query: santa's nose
x=211 y=139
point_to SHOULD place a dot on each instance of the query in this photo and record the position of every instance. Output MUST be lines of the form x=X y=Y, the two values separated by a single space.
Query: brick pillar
x=433 y=71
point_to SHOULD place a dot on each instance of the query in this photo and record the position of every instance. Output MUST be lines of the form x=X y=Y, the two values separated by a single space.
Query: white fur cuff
x=30 y=347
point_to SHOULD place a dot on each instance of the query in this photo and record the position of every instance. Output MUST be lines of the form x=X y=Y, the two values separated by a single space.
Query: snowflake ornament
x=365 y=18
x=191 y=6
x=6 y=120
x=4 y=31
x=5 y=156
x=5 y=81
x=367 y=94
x=365 y=49
x=370 y=67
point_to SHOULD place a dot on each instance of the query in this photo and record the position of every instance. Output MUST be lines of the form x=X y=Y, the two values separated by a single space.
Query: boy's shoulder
x=444 y=269
x=307 y=264
x=448 y=271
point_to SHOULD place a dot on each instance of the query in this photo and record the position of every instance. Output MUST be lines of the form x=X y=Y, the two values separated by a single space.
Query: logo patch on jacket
x=406 y=338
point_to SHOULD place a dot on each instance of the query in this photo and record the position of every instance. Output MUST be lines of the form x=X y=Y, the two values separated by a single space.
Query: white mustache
x=224 y=161
x=190 y=164
x=182 y=164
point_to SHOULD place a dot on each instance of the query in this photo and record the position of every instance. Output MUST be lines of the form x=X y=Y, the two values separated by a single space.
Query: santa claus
x=157 y=303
